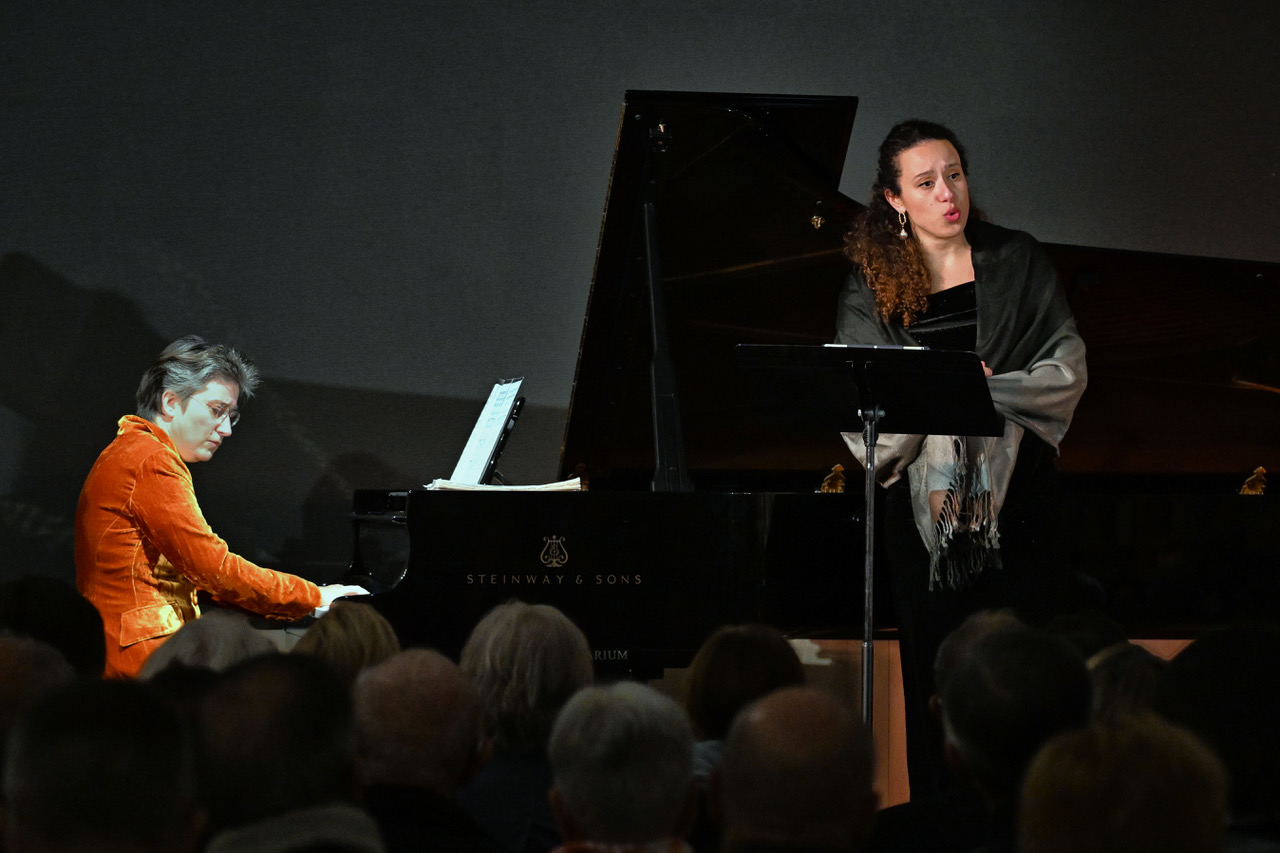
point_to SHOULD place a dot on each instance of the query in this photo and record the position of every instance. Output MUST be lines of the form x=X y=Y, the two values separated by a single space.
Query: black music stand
x=874 y=389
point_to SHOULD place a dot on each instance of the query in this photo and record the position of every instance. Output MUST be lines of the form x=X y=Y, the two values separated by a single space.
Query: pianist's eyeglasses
x=224 y=412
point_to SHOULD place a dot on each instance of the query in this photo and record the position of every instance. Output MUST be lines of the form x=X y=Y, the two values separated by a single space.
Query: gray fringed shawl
x=1027 y=336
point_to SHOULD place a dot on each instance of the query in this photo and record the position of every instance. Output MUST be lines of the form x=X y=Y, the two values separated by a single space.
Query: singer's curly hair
x=895 y=268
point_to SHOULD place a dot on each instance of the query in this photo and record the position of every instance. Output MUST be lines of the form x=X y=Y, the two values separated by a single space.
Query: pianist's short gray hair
x=526 y=660
x=622 y=763
x=186 y=366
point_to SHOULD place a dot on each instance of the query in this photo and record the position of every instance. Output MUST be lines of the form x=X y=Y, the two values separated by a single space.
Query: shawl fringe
x=966 y=538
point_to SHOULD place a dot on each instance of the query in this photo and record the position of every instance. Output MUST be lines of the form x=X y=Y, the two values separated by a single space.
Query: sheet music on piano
x=496 y=419
x=480 y=455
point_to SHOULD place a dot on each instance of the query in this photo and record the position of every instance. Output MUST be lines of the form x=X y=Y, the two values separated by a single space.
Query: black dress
x=1032 y=565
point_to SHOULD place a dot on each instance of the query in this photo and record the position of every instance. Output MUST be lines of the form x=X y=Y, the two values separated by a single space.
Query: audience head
x=736 y=665
x=797 y=771
x=1225 y=688
x=622 y=764
x=1016 y=689
x=1088 y=631
x=185 y=686
x=1125 y=680
x=1138 y=784
x=53 y=611
x=276 y=735
x=419 y=723
x=957 y=646
x=526 y=660
x=28 y=668
x=351 y=636
x=100 y=766
x=218 y=639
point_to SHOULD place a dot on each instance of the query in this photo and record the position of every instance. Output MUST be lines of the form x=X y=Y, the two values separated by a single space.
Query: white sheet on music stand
x=487 y=431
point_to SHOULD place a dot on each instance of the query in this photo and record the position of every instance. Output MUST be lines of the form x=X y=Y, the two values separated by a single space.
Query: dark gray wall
x=390 y=205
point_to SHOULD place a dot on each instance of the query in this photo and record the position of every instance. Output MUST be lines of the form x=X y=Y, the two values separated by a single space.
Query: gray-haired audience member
x=526 y=660
x=420 y=728
x=277 y=757
x=1137 y=784
x=215 y=641
x=1017 y=689
x=622 y=763
x=102 y=766
x=797 y=773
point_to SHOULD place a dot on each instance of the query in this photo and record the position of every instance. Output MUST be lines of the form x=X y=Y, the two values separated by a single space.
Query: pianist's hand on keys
x=330 y=592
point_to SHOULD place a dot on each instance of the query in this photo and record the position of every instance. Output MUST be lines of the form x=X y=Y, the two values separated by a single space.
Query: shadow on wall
x=66 y=352
x=279 y=493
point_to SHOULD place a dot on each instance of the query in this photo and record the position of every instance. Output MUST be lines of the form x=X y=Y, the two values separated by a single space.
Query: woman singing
x=969 y=522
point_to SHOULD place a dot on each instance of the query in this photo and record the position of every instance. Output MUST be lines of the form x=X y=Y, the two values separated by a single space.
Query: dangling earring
x=902 y=220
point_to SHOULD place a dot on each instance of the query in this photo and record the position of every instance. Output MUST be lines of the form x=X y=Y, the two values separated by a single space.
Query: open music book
x=573 y=485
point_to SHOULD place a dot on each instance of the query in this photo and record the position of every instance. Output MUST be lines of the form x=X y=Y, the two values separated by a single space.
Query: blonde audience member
x=351 y=636
x=1137 y=785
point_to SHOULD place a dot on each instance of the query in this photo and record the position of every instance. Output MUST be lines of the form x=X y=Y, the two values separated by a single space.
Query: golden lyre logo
x=554 y=554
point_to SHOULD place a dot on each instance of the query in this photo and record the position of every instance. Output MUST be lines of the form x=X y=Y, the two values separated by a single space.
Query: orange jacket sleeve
x=164 y=505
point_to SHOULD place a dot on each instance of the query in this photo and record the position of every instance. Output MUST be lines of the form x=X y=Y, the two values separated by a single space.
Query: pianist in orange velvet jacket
x=143 y=548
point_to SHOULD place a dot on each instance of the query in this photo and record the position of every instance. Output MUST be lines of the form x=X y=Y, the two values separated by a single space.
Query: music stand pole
x=870 y=417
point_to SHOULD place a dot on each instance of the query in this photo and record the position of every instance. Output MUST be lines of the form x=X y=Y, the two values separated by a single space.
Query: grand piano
x=725 y=223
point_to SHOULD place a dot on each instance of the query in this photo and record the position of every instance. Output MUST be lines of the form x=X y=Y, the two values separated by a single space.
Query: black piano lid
x=751 y=225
